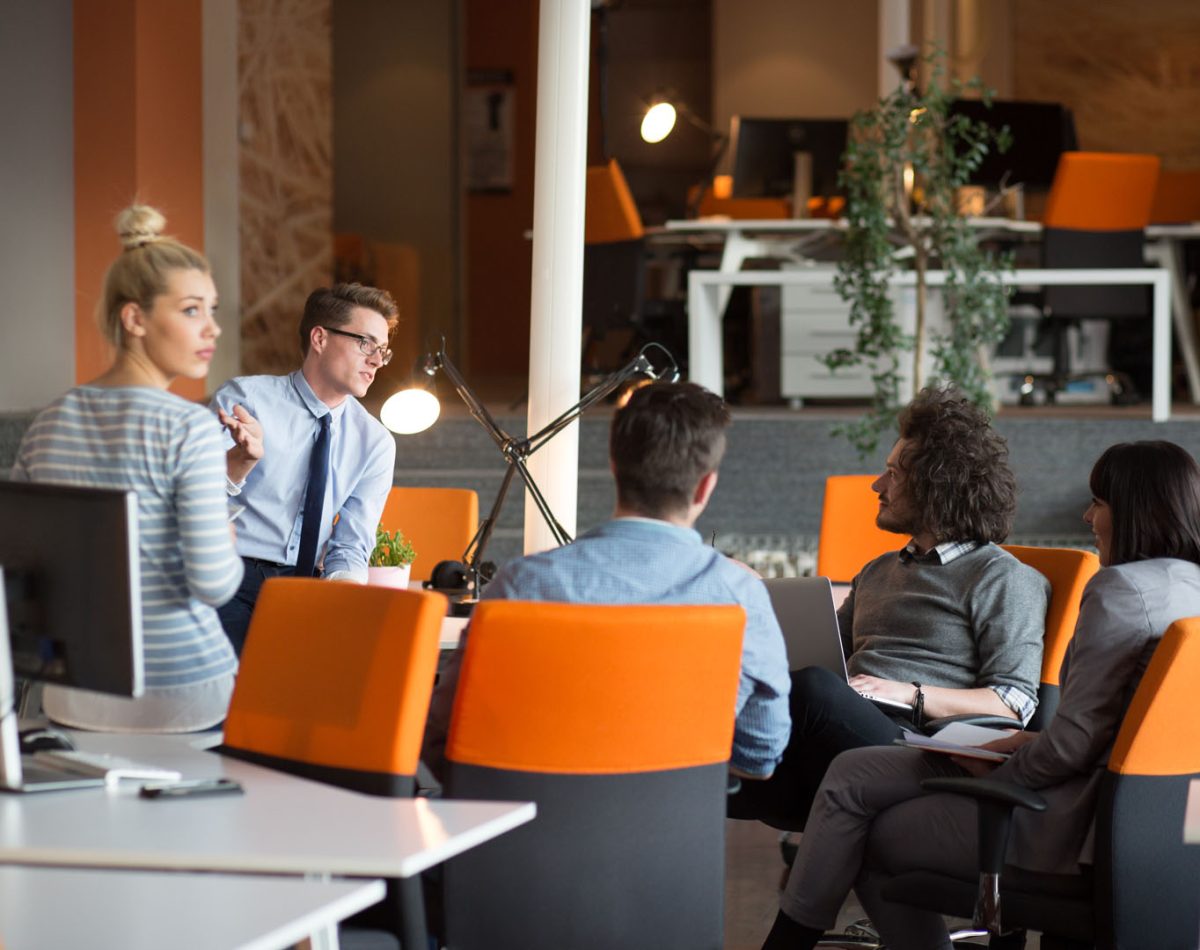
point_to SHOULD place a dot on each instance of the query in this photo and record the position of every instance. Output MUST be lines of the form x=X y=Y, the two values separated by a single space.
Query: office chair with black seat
x=334 y=686
x=1143 y=886
x=613 y=270
x=1096 y=213
x=618 y=722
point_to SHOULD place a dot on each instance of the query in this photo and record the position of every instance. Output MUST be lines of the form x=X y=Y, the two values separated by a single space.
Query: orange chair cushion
x=1160 y=734
x=582 y=689
x=438 y=522
x=1068 y=571
x=849 y=537
x=1102 y=191
x=610 y=213
x=337 y=675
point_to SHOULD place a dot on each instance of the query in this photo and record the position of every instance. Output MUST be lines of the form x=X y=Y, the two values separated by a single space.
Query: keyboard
x=111 y=768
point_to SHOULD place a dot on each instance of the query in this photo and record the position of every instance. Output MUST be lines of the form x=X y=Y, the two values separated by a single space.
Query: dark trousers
x=828 y=717
x=235 y=615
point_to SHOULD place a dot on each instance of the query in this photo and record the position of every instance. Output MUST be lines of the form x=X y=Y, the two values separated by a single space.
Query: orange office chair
x=438 y=522
x=618 y=722
x=1068 y=570
x=613 y=269
x=849 y=537
x=1144 y=880
x=334 y=686
x=1096 y=213
x=1176 y=197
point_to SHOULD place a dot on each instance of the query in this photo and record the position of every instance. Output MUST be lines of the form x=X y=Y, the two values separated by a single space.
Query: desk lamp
x=659 y=121
x=416 y=409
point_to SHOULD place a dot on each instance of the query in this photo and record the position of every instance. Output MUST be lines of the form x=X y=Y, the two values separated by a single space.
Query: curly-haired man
x=951 y=623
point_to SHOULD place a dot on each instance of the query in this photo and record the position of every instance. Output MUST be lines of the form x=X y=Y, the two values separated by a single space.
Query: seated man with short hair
x=665 y=447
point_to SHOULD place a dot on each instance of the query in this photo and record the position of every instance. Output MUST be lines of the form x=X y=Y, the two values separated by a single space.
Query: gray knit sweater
x=976 y=621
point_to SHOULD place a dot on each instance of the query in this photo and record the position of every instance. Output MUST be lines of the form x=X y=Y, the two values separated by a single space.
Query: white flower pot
x=389 y=576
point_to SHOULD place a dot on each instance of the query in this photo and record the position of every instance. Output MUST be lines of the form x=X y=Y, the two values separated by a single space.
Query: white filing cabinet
x=813 y=321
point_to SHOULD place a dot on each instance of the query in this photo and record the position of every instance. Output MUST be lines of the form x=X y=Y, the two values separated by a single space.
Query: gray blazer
x=1124 y=612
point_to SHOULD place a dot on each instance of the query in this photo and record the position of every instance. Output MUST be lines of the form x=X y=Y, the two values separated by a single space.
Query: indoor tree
x=905 y=161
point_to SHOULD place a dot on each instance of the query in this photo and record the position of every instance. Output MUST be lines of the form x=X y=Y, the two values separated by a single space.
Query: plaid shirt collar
x=943 y=553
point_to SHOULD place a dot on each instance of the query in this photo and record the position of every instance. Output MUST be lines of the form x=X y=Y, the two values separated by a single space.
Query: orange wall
x=138 y=133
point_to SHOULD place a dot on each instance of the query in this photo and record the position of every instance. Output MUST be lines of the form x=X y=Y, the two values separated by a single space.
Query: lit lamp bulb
x=658 y=122
x=410 y=411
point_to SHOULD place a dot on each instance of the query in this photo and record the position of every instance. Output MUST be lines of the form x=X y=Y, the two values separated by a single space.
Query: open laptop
x=806 y=614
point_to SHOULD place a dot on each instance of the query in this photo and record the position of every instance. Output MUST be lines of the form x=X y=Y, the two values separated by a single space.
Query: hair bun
x=139 y=225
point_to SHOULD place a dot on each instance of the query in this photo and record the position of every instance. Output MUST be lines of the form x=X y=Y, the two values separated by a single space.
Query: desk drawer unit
x=814 y=320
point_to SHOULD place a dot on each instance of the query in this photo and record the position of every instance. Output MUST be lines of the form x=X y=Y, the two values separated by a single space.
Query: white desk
x=137 y=910
x=281 y=825
x=706 y=354
x=744 y=239
x=1191 y=821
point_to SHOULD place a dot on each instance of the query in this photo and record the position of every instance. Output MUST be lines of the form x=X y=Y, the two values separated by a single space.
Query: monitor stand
x=16 y=775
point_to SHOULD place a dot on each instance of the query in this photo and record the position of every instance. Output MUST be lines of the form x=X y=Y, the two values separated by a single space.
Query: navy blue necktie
x=314 y=502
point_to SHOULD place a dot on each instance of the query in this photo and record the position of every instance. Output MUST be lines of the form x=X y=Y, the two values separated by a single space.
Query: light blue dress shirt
x=362 y=461
x=645 y=561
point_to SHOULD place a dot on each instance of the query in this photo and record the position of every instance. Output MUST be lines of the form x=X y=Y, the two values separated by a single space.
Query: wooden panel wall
x=286 y=168
x=1131 y=72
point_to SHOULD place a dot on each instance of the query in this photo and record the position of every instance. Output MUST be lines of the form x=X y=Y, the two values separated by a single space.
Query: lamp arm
x=638 y=366
x=517 y=451
x=441 y=361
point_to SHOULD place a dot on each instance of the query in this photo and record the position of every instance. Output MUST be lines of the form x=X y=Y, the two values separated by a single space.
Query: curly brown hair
x=956 y=468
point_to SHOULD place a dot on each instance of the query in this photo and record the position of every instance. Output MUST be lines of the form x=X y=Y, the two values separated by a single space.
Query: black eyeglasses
x=366 y=345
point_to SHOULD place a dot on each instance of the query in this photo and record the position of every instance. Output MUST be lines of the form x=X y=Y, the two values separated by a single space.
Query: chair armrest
x=931 y=726
x=996 y=800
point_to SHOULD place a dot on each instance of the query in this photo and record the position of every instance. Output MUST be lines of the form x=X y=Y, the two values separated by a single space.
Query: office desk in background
x=139 y=910
x=706 y=350
x=745 y=239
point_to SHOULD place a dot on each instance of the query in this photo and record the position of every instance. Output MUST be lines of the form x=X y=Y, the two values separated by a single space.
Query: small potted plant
x=391 y=561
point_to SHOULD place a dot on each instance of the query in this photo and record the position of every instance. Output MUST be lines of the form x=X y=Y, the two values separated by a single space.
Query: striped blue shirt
x=170 y=452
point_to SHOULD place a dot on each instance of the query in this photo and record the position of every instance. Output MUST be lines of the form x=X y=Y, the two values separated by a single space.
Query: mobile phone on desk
x=190 y=787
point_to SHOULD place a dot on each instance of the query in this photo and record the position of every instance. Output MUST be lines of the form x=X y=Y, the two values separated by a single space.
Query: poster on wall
x=488 y=121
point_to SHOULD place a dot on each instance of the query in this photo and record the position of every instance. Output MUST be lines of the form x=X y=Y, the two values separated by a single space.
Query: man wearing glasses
x=304 y=450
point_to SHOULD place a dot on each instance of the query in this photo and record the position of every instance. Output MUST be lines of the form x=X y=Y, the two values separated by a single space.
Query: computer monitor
x=1041 y=132
x=764 y=155
x=72 y=609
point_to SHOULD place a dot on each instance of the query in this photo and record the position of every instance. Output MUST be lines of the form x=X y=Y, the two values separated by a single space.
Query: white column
x=894 y=19
x=556 y=317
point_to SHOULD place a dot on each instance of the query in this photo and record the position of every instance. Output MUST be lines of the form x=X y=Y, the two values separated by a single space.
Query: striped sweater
x=170 y=452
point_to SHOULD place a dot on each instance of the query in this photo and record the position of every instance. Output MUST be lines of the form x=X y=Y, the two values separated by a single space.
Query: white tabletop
x=281 y=824
x=1191 y=821
x=137 y=910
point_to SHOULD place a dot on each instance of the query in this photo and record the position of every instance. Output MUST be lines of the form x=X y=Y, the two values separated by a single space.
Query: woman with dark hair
x=871 y=818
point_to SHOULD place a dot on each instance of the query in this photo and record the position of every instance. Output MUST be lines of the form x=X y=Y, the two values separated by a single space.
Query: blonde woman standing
x=125 y=430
